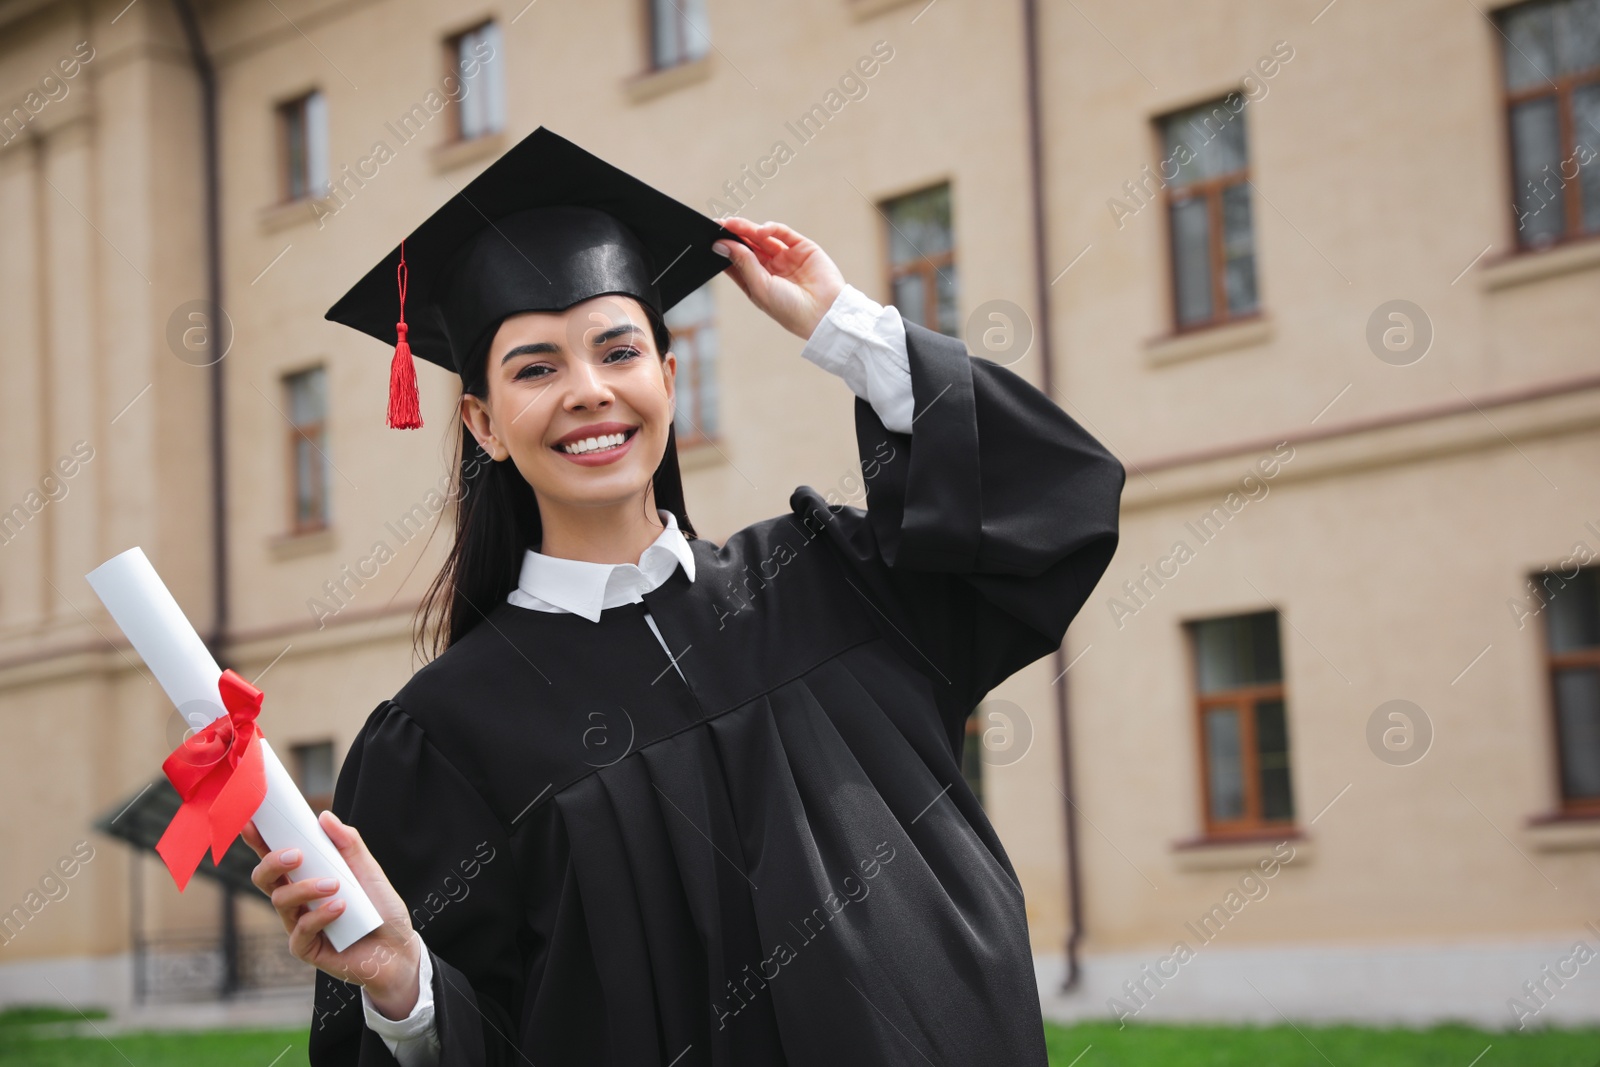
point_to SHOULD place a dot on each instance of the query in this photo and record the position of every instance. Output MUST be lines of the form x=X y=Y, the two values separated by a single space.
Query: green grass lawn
x=1141 y=1045
x=26 y=1040
x=22 y=1044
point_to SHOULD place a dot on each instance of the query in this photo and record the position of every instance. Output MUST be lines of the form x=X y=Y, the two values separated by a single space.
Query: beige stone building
x=1324 y=277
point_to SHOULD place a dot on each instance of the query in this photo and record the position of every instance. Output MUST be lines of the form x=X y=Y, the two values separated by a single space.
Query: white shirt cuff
x=414 y=1040
x=864 y=342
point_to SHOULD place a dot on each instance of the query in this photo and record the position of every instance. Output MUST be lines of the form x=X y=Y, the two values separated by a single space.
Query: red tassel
x=405 y=408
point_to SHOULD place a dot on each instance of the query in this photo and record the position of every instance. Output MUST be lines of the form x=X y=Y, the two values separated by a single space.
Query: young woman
x=664 y=802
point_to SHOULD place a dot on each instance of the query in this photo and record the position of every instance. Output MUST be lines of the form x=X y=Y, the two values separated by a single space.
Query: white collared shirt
x=859 y=340
x=550 y=583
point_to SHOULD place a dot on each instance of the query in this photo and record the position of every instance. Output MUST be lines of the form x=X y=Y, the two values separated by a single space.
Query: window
x=313 y=772
x=922 y=270
x=308 y=445
x=1572 y=636
x=1212 y=243
x=303 y=147
x=1551 y=68
x=473 y=57
x=679 y=32
x=1243 y=726
x=694 y=341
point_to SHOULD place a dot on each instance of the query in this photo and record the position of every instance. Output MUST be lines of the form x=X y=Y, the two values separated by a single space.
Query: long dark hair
x=497 y=519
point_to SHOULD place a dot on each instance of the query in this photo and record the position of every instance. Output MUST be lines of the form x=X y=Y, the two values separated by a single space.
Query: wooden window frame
x=1212 y=189
x=1581 y=807
x=1569 y=807
x=681 y=26
x=927 y=267
x=1246 y=698
x=316 y=433
x=452 y=69
x=283 y=112
x=1565 y=85
x=318 y=801
x=697 y=435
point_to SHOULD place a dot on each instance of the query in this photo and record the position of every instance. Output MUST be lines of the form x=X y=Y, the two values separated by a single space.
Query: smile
x=597 y=448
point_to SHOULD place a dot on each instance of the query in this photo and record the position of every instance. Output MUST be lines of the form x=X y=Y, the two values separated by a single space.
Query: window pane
x=1238 y=651
x=316 y=145
x=1238 y=249
x=680 y=31
x=664 y=22
x=307 y=489
x=1536 y=155
x=314 y=768
x=697 y=32
x=308 y=396
x=294 y=145
x=493 y=78
x=482 y=103
x=909 y=298
x=1578 y=35
x=945 y=283
x=1574 y=610
x=1224 y=772
x=1215 y=138
x=919 y=225
x=1191 y=259
x=1586 y=132
x=1528 y=45
x=1272 y=752
x=687 y=414
x=692 y=321
x=1578 y=723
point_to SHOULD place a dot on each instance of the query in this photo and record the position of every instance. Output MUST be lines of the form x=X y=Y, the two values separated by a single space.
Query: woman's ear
x=669 y=375
x=476 y=417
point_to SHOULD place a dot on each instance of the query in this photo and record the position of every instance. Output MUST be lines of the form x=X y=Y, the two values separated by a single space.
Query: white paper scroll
x=139 y=601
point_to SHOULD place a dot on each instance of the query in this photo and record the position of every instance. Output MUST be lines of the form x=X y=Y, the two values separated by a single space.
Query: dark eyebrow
x=616 y=331
x=528 y=350
x=546 y=347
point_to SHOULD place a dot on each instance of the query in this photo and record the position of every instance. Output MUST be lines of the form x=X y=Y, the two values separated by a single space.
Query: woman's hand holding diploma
x=790 y=277
x=385 y=962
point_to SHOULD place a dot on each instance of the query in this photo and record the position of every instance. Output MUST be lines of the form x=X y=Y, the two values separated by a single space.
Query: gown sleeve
x=986 y=527
x=449 y=857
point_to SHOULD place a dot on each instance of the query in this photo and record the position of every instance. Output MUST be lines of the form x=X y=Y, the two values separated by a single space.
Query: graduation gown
x=772 y=859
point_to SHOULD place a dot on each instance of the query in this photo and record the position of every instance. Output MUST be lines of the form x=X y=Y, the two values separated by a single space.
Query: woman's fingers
x=289 y=899
x=787 y=235
x=303 y=936
x=274 y=868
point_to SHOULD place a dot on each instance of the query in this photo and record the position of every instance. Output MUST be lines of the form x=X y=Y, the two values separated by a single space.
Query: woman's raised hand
x=385 y=962
x=790 y=277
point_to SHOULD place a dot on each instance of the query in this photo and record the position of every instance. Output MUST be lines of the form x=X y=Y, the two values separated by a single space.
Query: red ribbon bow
x=221 y=776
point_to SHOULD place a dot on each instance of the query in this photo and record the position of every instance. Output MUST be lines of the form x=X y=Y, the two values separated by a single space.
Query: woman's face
x=579 y=400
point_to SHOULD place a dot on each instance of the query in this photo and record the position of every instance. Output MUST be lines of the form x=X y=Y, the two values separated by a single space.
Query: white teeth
x=593 y=444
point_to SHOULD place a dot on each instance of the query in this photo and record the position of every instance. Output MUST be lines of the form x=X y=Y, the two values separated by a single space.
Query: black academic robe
x=773 y=859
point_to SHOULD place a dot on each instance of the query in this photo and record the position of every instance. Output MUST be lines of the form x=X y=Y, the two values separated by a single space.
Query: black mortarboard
x=545 y=226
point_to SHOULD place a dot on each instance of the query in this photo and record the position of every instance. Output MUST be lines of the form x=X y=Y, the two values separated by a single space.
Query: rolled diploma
x=139 y=601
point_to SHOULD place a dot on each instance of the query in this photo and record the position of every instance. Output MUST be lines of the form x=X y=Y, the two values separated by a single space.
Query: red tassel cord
x=405 y=410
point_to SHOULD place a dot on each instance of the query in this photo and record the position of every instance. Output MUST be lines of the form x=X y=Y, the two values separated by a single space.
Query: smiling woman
x=759 y=755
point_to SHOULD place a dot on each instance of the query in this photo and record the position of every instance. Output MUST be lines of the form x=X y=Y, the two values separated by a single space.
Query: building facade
x=1324 y=277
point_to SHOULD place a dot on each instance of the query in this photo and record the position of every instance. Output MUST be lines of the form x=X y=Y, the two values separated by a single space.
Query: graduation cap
x=545 y=226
